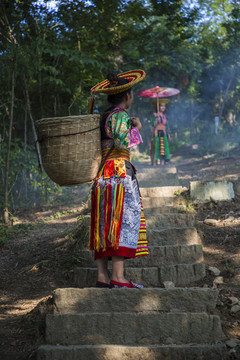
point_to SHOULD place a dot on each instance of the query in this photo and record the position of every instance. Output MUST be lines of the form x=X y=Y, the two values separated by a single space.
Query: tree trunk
x=25 y=151
x=25 y=131
x=32 y=121
x=223 y=96
x=191 y=118
x=5 y=210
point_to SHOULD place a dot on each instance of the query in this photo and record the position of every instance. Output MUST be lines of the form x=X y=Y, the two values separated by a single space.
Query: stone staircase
x=153 y=323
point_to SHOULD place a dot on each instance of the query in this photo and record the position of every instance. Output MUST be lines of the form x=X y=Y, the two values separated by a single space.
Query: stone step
x=164 y=204
x=149 y=181
x=118 y=352
x=174 y=236
x=155 y=174
x=166 y=221
x=169 y=255
x=149 y=176
x=180 y=275
x=163 y=191
x=162 y=237
x=133 y=329
x=174 y=219
x=158 y=256
x=151 y=202
x=74 y=300
x=166 y=209
x=146 y=168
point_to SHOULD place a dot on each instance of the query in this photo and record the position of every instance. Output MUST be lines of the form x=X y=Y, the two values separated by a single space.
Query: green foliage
x=221 y=143
x=187 y=207
x=60 y=214
x=27 y=185
x=177 y=192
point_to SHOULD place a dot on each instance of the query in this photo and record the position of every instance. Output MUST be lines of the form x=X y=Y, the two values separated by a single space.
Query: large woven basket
x=70 y=148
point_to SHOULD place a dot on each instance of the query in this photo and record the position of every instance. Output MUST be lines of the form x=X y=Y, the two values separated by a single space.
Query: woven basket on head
x=70 y=148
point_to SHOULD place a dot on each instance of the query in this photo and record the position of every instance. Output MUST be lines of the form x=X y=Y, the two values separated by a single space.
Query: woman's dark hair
x=115 y=81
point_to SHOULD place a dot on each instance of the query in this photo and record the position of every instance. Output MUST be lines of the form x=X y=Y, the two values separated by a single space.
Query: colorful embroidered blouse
x=118 y=127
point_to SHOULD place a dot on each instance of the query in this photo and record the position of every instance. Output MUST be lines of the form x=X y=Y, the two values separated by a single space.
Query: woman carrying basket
x=118 y=227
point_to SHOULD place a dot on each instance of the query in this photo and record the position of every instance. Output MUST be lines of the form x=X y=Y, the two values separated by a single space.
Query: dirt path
x=32 y=264
x=193 y=166
x=38 y=256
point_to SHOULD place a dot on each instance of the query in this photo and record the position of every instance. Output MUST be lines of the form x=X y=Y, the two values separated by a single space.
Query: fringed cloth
x=142 y=245
x=113 y=213
x=118 y=226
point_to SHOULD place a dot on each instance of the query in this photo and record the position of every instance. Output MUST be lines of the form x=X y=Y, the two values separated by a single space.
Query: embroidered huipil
x=118 y=226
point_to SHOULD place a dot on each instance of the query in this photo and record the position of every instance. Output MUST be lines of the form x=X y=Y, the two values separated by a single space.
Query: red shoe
x=138 y=286
x=130 y=284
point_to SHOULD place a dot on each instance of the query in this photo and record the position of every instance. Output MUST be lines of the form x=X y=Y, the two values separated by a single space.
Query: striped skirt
x=118 y=226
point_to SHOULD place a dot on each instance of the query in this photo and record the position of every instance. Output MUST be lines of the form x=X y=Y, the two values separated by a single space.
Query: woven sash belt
x=116 y=154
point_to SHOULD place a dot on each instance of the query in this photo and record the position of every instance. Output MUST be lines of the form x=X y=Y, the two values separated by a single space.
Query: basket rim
x=68 y=119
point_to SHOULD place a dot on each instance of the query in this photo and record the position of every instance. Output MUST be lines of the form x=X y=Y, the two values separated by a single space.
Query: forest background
x=52 y=53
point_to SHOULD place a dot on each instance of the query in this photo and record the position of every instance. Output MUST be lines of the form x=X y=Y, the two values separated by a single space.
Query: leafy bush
x=26 y=184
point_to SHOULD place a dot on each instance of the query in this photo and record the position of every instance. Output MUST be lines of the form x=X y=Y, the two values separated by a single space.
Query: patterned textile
x=116 y=153
x=106 y=228
x=161 y=118
x=134 y=137
x=117 y=127
x=120 y=169
x=142 y=245
x=132 y=77
x=115 y=163
x=160 y=145
x=118 y=226
x=108 y=169
x=162 y=150
x=160 y=127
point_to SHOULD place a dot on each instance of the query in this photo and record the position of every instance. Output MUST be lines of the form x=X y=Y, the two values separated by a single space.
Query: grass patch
x=11 y=232
x=60 y=214
x=187 y=207
x=178 y=192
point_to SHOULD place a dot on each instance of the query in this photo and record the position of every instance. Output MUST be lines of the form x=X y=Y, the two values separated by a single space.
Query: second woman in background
x=160 y=137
